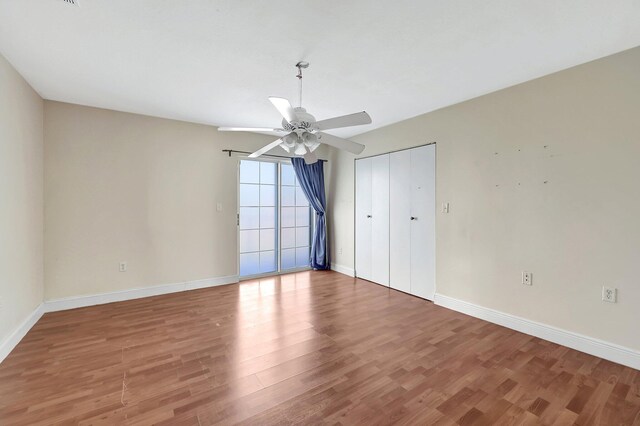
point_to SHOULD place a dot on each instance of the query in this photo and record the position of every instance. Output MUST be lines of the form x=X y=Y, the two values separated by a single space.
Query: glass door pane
x=258 y=201
x=295 y=232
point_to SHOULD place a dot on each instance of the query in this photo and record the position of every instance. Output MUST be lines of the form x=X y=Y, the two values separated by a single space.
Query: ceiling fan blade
x=336 y=142
x=251 y=129
x=357 y=119
x=310 y=157
x=286 y=148
x=284 y=108
x=265 y=148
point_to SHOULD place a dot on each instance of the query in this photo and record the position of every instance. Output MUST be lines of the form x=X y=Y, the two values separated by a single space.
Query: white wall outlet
x=219 y=207
x=445 y=207
x=340 y=250
x=609 y=294
x=527 y=278
x=123 y=266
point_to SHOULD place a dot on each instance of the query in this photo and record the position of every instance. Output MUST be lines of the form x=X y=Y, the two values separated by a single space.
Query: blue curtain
x=311 y=178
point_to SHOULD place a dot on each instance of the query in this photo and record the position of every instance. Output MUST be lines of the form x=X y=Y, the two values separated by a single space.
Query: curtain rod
x=231 y=151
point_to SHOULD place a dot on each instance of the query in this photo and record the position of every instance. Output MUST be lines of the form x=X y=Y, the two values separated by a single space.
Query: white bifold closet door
x=372 y=219
x=363 y=218
x=399 y=223
x=412 y=221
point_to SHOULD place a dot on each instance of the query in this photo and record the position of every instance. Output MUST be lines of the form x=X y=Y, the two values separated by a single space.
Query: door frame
x=278 y=271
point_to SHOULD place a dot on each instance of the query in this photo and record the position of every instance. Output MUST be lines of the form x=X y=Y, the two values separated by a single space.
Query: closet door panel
x=399 y=220
x=363 y=218
x=423 y=209
x=380 y=219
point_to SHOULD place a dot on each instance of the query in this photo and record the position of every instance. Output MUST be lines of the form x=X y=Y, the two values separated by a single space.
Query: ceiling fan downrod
x=300 y=65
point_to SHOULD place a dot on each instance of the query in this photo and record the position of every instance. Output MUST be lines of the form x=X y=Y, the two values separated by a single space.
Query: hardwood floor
x=306 y=348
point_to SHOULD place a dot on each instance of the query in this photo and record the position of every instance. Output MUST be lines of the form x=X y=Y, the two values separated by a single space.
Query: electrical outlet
x=445 y=207
x=609 y=294
x=527 y=278
x=219 y=207
x=123 y=266
x=340 y=250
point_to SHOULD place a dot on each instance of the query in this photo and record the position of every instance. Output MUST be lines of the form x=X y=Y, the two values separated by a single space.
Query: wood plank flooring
x=306 y=348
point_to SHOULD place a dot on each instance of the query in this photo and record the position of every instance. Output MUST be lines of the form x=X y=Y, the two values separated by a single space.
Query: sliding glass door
x=274 y=219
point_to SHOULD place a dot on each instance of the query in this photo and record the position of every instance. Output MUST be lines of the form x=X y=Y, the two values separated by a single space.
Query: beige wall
x=21 y=216
x=543 y=177
x=127 y=187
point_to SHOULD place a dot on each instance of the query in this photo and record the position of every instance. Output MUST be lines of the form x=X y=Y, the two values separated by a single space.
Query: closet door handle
x=414 y=218
x=368 y=216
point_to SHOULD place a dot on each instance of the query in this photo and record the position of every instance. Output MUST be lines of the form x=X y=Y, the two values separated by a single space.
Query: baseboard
x=7 y=345
x=343 y=269
x=590 y=345
x=135 y=293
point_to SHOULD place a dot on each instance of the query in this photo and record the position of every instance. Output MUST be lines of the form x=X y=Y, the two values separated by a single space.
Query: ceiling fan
x=301 y=133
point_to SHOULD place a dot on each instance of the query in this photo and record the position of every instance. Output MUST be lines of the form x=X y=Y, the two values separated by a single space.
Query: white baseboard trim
x=7 y=345
x=134 y=293
x=590 y=345
x=343 y=269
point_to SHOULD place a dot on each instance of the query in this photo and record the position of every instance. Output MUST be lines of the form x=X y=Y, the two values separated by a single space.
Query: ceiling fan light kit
x=301 y=133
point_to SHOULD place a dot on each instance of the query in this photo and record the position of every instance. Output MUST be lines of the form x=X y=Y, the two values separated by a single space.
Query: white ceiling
x=216 y=62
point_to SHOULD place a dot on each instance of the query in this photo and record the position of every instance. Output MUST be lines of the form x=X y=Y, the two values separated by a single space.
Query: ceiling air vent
x=72 y=2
